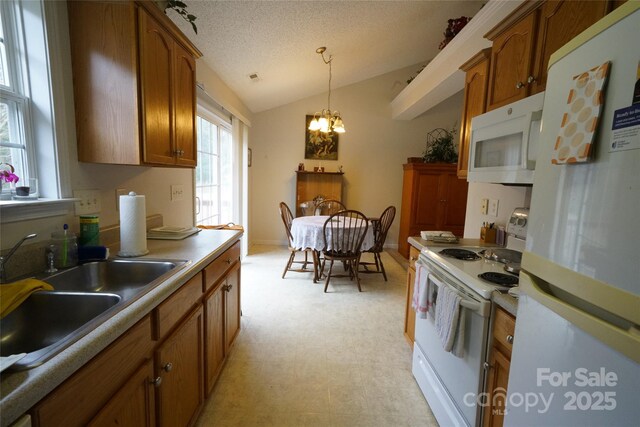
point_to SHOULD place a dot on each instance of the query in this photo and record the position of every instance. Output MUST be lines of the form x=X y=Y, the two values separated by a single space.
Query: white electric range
x=452 y=384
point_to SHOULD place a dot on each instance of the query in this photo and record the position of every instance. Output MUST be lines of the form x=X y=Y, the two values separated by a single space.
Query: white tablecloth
x=307 y=233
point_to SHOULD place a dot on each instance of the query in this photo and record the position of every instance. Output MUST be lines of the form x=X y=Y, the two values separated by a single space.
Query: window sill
x=19 y=210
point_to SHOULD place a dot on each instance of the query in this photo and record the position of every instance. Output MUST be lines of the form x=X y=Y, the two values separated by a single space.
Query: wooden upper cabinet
x=553 y=31
x=184 y=95
x=511 y=59
x=156 y=60
x=105 y=84
x=475 y=101
x=134 y=85
x=524 y=41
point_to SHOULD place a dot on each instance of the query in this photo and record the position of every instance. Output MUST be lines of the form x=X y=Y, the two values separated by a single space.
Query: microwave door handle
x=532 y=116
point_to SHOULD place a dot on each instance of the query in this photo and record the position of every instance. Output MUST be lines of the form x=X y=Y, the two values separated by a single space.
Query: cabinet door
x=184 y=84
x=452 y=201
x=553 y=31
x=232 y=305
x=155 y=82
x=425 y=206
x=496 y=389
x=179 y=362
x=133 y=405
x=409 y=312
x=511 y=58
x=104 y=60
x=215 y=343
x=475 y=100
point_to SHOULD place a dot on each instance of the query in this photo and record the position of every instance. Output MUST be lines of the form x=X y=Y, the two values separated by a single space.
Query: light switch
x=177 y=192
x=89 y=202
x=484 y=206
x=493 y=207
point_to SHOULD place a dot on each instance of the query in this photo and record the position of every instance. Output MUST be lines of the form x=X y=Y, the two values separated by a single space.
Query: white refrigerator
x=576 y=350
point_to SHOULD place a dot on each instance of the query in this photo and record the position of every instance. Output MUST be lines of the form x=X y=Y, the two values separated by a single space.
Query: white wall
x=509 y=198
x=372 y=151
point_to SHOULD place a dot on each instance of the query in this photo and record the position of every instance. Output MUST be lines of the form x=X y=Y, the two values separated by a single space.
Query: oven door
x=451 y=384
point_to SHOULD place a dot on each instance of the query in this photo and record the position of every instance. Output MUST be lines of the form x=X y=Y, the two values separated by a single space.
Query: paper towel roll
x=133 y=226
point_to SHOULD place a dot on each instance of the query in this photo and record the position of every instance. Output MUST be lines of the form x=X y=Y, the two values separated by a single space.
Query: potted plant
x=440 y=147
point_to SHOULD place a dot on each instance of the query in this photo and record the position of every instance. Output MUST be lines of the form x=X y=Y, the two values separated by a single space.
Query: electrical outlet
x=177 y=191
x=484 y=206
x=89 y=202
x=120 y=192
x=493 y=207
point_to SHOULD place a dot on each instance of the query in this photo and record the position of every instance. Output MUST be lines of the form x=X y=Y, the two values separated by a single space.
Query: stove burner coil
x=462 y=254
x=499 y=278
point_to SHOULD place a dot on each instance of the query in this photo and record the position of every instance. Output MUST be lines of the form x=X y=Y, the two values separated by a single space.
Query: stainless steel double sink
x=83 y=298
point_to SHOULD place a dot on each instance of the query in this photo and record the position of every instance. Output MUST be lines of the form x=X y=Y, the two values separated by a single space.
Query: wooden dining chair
x=329 y=207
x=381 y=228
x=287 y=218
x=343 y=235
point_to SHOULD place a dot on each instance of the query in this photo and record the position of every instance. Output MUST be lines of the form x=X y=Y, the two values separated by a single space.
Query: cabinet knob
x=229 y=287
x=178 y=152
x=510 y=339
x=168 y=367
x=443 y=201
x=531 y=79
x=156 y=381
x=228 y=261
x=519 y=85
x=486 y=366
x=413 y=259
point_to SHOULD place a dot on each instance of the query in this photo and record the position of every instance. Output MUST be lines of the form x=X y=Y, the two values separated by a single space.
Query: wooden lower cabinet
x=156 y=372
x=215 y=343
x=76 y=401
x=232 y=306
x=133 y=405
x=409 y=312
x=179 y=364
x=499 y=362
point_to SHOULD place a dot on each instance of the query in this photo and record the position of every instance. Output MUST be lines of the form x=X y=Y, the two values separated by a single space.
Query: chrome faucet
x=5 y=259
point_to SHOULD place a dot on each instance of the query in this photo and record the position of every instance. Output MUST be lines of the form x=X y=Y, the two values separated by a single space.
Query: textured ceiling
x=278 y=41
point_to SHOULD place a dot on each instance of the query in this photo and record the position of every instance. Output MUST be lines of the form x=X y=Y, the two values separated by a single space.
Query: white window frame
x=17 y=92
x=46 y=57
x=215 y=119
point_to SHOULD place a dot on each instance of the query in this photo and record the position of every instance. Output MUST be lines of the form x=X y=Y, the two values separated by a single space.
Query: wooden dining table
x=307 y=233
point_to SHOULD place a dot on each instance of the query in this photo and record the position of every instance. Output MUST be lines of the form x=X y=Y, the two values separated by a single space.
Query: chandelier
x=327 y=120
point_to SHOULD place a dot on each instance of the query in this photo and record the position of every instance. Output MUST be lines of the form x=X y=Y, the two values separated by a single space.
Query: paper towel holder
x=130 y=252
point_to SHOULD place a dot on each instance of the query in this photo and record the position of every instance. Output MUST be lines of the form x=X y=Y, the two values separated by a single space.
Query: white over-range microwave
x=504 y=143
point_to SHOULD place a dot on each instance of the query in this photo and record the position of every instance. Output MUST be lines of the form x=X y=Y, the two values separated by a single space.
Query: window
x=214 y=173
x=14 y=100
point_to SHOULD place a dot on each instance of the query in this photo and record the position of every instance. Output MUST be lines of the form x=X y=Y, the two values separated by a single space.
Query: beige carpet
x=306 y=358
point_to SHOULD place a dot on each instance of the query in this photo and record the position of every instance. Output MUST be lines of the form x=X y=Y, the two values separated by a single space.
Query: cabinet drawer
x=177 y=306
x=504 y=327
x=80 y=397
x=214 y=271
x=413 y=257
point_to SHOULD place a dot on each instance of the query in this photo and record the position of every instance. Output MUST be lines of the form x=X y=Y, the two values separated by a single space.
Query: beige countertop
x=19 y=391
x=505 y=301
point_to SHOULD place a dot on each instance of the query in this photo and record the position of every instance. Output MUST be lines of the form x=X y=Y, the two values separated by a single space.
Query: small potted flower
x=8 y=179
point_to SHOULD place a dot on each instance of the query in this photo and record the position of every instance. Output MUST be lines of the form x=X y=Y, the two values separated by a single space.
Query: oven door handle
x=464 y=302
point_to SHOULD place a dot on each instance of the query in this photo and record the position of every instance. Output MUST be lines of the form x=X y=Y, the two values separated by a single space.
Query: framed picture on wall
x=319 y=145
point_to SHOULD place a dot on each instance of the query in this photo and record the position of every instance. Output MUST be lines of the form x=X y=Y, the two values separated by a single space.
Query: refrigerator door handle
x=618 y=333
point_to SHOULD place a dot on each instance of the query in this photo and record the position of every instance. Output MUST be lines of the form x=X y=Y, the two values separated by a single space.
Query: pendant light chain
x=327 y=120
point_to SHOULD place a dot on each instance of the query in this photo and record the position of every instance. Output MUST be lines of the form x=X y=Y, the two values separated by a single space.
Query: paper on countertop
x=7 y=361
x=439 y=236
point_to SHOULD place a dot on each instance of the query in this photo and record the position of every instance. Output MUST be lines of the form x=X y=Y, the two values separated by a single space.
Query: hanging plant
x=181 y=9
x=440 y=147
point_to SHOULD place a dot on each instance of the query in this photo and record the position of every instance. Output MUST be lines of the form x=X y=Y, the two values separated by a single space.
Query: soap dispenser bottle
x=66 y=248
